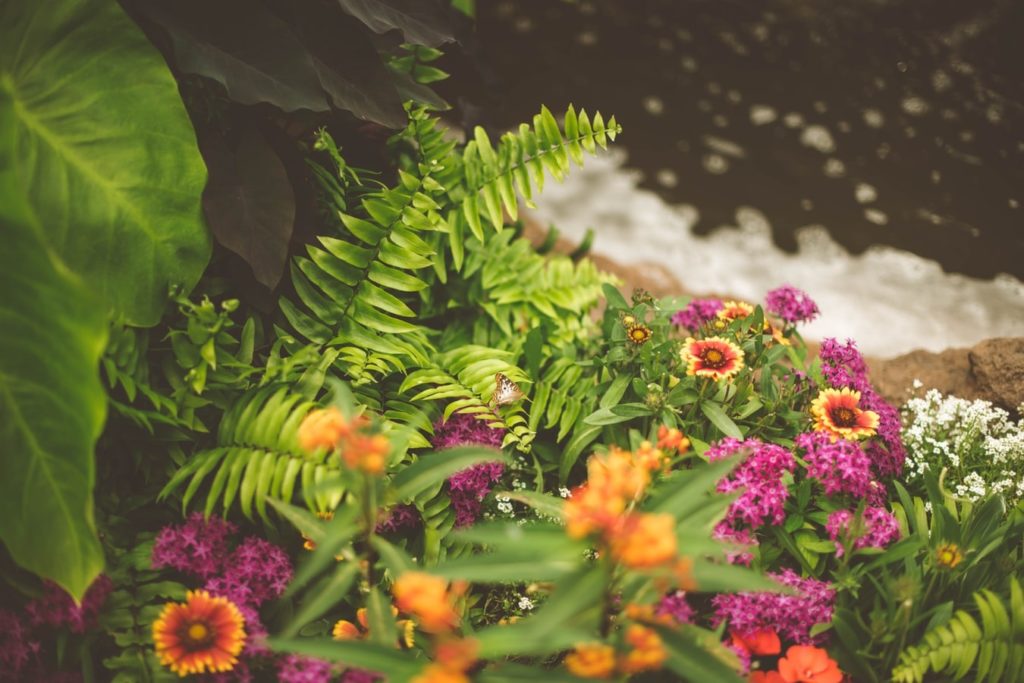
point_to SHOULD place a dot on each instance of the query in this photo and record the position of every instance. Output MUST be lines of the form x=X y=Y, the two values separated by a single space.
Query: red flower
x=713 y=357
x=204 y=634
x=764 y=642
x=836 y=413
x=806 y=664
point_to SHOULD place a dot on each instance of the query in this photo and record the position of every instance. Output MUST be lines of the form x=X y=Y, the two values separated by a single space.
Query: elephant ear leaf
x=51 y=403
x=103 y=151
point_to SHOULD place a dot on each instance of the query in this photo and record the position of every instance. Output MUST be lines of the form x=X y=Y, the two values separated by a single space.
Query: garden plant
x=382 y=435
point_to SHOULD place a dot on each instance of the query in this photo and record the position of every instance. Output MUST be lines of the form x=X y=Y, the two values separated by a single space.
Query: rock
x=998 y=369
x=948 y=371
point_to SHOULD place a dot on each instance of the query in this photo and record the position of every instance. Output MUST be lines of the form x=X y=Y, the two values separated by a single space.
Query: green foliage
x=52 y=405
x=103 y=151
x=994 y=651
x=258 y=456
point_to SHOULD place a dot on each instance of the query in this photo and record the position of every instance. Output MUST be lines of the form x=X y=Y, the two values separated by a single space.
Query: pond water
x=871 y=151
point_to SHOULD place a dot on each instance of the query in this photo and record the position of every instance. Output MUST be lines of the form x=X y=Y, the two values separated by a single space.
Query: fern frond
x=994 y=650
x=258 y=455
x=465 y=377
x=562 y=396
x=493 y=175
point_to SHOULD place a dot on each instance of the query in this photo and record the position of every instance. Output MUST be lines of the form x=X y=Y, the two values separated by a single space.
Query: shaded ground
x=895 y=123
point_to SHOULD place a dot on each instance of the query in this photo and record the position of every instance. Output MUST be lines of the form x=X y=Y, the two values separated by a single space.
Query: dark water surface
x=898 y=123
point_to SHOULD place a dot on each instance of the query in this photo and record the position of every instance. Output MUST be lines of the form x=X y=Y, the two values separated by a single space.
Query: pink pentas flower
x=17 y=649
x=464 y=430
x=299 y=669
x=696 y=313
x=57 y=609
x=256 y=571
x=791 y=304
x=841 y=466
x=877 y=528
x=360 y=676
x=675 y=605
x=469 y=487
x=198 y=547
x=741 y=540
x=759 y=477
x=791 y=616
x=401 y=517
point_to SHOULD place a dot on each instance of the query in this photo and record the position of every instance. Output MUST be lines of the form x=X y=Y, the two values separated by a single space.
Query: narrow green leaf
x=432 y=468
x=723 y=422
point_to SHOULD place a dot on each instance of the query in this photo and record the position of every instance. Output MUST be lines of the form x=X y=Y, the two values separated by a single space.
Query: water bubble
x=587 y=38
x=654 y=105
x=723 y=146
x=875 y=216
x=874 y=118
x=834 y=168
x=666 y=177
x=941 y=81
x=720 y=120
x=865 y=193
x=819 y=138
x=914 y=105
x=715 y=164
x=793 y=120
x=688 y=64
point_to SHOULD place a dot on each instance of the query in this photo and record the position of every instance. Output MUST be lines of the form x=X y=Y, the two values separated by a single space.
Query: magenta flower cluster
x=877 y=528
x=252 y=573
x=468 y=488
x=791 y=304
x=696 y=313
x=843 y=366
x=675 y=605
x=841 y=466
x=299 y=669
x=19 y=647
x=744 y=538
x=759 y=477
x=791 y=616
x=401 y=517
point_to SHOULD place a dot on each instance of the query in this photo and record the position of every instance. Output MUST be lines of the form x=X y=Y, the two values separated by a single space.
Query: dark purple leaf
x=249 y=202
x=424 y=22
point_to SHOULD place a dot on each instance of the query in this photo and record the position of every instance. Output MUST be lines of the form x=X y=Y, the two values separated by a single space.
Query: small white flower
x=525 y=603
x=564 y=492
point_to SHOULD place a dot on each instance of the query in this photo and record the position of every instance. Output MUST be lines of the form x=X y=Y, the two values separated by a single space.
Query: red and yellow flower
x=734 y=310
x=638 y=333
x=807 y=664
x=323 y=428
x=713 y=357
x=203 y=634
x=672 y=439
x=836 y=412
x=346 y=630
x=591 y=660
x=358 y=448
x=948 y=555
x=428 y=599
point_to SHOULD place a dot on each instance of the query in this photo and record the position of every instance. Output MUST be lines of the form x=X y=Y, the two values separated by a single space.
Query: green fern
x=994 y=650
x=465 y=377
x=258 y=456
x=562 y=397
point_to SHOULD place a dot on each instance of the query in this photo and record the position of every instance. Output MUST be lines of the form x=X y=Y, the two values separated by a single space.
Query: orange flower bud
x=457 y=654
x=672 y=439
x=435 y=673
x=647 y=615
x=427 y=598
x=591 y=660
x=322 y=428
x=649 y=457
x=648 y=651
x=645 y=540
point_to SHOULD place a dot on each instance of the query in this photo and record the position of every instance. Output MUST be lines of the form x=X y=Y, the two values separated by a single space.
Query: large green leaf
x=103 y=150
x=51 y=401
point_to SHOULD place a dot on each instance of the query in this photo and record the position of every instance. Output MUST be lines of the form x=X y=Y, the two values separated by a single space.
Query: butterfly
x=505 y=391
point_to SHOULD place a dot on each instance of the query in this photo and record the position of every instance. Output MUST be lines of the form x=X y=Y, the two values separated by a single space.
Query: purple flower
x=299 y=669
x=255 y=572
x=843 y=366
x=759 y=477
x=675 y=606
x=240 y=674
x=841 y=467
x=791 y=616
x=17 y=651
x=58 y=609
x=462 y=430
x=878 y=528
x=743 y=538
x=197 y=547
x=696 y=313
x=468 y=488
x=791 y=304
x=401 y=517
x=360 y=676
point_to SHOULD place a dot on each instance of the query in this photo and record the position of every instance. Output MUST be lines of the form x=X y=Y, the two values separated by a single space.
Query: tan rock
x=998 y=368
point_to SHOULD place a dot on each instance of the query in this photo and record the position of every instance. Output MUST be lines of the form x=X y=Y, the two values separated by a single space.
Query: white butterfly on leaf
x=505 y=391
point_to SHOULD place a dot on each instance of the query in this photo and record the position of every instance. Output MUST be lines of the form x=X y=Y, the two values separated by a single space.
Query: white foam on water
x=891 y=301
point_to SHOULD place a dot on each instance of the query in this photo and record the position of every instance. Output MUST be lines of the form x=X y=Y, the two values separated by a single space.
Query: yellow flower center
x=198 y=632
x=713 y=358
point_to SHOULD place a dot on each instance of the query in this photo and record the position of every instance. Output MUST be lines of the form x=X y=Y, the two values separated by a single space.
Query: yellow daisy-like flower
x=948 y=555
x=205 y=634
x=638 y=333
x=591 y=660
x=836 y=413
x=733 y=310
x=713 y=357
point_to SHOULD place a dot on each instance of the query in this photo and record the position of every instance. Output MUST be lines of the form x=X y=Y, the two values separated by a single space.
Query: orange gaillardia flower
x=323 y=428
x=713 y=357
x=638 y=333
x=836 y=413
x=733 y=310
x=205 y=634
x=645 y=540
x=648 y=651
x=591 y=660
x=807 y=664
x=428 y=599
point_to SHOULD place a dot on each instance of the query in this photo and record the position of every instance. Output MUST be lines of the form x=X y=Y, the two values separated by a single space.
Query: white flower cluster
x=525 y=603
x=978 y=444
